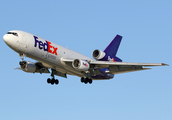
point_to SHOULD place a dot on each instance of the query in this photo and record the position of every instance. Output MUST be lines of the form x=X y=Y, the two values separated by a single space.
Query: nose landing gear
x=53 y=80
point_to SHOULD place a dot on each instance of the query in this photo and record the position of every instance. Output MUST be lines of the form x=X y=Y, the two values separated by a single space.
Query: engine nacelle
x=98 y=54
x=81 y=65
x=28 y=66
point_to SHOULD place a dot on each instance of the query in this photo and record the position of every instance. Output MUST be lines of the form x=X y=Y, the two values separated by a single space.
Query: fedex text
x=45 y=46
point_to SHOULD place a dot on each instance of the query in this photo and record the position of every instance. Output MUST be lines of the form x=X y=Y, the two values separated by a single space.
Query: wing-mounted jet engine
x=27 y=66
x=38 y=67
x=31 y=67
x=81 y=65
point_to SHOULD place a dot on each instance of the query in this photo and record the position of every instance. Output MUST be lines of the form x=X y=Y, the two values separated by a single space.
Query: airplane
x=62 y=61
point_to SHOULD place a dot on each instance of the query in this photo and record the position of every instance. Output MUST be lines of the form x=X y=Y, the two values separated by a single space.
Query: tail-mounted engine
x=81 y=65
x=102 y=56
x=28 y=66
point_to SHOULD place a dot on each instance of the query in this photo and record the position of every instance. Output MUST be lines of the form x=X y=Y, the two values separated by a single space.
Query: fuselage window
x=13 y=33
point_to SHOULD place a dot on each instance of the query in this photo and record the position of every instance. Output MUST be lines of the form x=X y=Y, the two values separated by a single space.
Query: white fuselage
x=51 y=55
x=63 y=61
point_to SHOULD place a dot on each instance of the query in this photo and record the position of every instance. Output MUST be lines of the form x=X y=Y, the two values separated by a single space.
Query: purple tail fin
x=112 y=48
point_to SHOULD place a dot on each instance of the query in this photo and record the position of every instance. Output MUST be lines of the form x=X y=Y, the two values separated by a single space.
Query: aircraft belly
x=55 y=64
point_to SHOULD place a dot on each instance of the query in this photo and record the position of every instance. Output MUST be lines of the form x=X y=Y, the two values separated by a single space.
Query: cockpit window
x=13 y=33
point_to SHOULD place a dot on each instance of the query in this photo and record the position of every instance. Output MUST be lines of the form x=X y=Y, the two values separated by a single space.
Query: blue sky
x=84 y=26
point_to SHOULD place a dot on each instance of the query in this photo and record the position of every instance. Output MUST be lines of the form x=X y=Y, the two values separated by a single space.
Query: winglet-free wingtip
x=165 y=64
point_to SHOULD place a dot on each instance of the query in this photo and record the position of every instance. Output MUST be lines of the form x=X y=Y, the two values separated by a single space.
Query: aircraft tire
x=56 y=82
x=82 y=79
x=90 y=81
x=48 y=80
x=52 y=81
x=85 y=82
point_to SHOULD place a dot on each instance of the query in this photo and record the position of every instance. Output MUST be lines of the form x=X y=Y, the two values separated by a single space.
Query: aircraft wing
x=118 y=67
x=123 y=67
x=42 y=69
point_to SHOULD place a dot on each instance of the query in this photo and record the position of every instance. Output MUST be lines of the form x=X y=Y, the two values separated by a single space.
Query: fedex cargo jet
x=62 y=61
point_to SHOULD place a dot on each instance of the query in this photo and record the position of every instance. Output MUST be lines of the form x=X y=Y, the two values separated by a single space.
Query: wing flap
x=107 y=64
x=41 y=68
x=60 y=74
x=129 y=71
x=124 y=69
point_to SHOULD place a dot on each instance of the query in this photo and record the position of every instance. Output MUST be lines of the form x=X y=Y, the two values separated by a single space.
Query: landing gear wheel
x=82 y=79
x=52 y=81
x=56 y=82
x=48 y=80
x=90 y=81
x=86 y=80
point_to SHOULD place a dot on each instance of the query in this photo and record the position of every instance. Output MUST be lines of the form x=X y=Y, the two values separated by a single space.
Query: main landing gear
x=53 y=80
x=86 y=80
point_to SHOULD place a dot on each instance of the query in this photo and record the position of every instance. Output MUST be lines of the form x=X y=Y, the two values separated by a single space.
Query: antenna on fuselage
x=22 y=56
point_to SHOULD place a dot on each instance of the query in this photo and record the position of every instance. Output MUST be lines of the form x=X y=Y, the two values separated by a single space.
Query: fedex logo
x=85 y=64
x=45 y=46
x=112 y=60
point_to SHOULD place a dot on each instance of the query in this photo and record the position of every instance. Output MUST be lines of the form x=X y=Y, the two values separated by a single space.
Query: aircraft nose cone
x=6 y=38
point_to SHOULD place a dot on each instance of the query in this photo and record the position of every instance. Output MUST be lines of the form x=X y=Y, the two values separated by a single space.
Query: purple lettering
x=45 y=46
x=36 y=41
x=41 y=45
